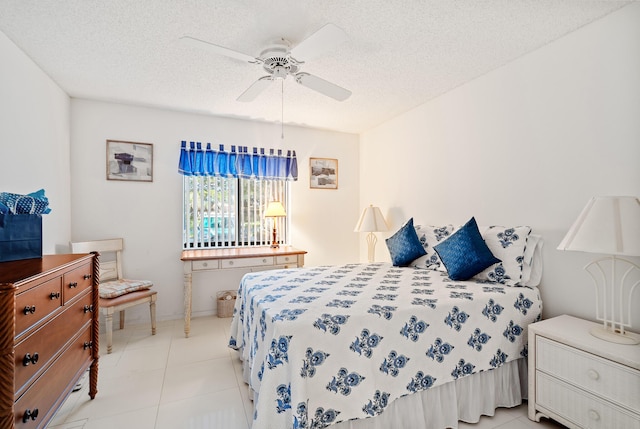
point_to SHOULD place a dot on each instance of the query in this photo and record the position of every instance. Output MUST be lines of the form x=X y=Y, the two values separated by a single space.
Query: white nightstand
x=580 y=380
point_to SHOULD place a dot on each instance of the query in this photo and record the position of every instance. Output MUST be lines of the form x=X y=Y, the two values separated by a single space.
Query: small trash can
x=226 y=300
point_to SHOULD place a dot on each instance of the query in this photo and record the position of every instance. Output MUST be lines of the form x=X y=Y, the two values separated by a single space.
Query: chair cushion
x=115 y=288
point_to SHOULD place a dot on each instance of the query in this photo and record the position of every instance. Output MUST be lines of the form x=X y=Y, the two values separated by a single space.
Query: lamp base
x=371 y=247
x=274 y=243
x=613 y=337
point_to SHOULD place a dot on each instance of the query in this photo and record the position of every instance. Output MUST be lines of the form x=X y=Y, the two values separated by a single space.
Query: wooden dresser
x=49 y=330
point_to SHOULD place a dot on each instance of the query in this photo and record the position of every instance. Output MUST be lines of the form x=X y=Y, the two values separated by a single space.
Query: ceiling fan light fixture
x=280 y=61
x=280 y=72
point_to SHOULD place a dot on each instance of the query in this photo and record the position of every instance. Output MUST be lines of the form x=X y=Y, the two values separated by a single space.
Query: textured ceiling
x=399 y=53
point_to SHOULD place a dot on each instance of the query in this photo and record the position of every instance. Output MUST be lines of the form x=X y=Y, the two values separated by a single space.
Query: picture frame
x=130 y=161
x=323 y=173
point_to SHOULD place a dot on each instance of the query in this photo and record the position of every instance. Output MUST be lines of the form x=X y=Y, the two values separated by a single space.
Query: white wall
x=34 y=139
x=528 y=143
x=149 y=215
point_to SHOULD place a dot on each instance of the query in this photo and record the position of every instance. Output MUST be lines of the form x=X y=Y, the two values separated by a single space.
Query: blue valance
x=239 y=162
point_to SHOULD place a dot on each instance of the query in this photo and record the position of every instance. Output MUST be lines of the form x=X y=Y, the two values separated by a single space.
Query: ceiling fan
x=280 y=61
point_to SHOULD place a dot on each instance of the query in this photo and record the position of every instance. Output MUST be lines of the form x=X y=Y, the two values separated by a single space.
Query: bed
x=381 y=345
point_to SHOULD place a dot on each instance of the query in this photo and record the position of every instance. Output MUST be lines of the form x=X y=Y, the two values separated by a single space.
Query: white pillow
x=509 y=245
x=532 y=268
x=430 y=236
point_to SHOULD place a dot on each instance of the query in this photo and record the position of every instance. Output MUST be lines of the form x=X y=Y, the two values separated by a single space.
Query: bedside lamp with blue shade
x=610 y=226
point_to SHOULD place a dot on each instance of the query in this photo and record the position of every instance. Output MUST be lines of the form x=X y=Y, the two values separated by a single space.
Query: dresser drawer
x=37 y=303
x=601 y=377
x=583 y=409
x=247 y=262
x=76 y=281
x=52 y=387
x=36 y=351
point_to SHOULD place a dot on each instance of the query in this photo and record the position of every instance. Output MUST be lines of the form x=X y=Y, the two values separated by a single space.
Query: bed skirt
x=465 y=399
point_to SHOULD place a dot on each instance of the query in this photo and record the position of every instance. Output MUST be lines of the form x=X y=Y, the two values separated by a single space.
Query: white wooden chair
x=116 y=292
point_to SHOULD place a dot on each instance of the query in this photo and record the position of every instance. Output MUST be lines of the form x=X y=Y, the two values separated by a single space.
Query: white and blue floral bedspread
x=327 y=344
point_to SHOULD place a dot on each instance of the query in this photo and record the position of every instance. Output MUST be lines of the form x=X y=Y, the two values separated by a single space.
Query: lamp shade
x=607 y=225
x=371 y=220
x=275 y=209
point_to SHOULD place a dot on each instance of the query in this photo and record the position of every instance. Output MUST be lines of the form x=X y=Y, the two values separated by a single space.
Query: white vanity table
x=240 y=259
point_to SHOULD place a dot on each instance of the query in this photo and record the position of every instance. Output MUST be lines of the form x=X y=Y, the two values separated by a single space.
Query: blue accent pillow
x=465 y=253
x=404 y=246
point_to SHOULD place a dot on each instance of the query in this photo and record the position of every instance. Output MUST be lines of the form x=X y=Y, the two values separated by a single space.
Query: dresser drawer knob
x=30 y=309
x=88 y=308
x=87 y=345
x=86 y=276
x=593 y=415
x=30 y=415
x=55 y=295
x=73 y=285
x=205 y=264
x=230 y=262
x=28 y=359
x=593 y=374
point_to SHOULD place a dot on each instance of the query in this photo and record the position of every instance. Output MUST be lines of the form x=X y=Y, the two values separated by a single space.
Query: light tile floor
x=168 y=381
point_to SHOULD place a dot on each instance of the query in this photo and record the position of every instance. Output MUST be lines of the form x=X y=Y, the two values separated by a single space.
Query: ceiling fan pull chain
x=282 y=109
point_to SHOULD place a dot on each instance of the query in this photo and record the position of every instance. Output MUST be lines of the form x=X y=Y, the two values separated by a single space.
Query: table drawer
x=289 y=260
x=247 y=262
x=37 y=303
x=583 y=409
x=601 y=377
x=76 y=281
x=46 y=342
x=205 y=265
x=52 y=387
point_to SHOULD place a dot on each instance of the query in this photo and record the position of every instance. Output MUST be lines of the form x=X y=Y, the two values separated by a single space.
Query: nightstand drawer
x=247 y=262
x=601 y=377
x=584 y=410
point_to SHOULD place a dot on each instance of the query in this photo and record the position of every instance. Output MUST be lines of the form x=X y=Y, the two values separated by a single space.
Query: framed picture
x=323 y=173
x=129 y=161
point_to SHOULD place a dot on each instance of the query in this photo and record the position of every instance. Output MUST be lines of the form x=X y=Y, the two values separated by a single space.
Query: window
x=225 y=195
x=229 y=212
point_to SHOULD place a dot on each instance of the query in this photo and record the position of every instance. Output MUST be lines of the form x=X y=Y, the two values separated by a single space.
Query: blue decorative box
x=20 y=236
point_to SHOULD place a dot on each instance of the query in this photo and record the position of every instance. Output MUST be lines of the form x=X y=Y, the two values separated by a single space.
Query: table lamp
x=275 y=209
x=610 y=226
x=371 y=221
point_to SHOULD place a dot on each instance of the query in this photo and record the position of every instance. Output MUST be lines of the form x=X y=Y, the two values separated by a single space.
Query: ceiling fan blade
x=255 y=89
x=319 y=42
x=323 y=86
x=221 y=50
